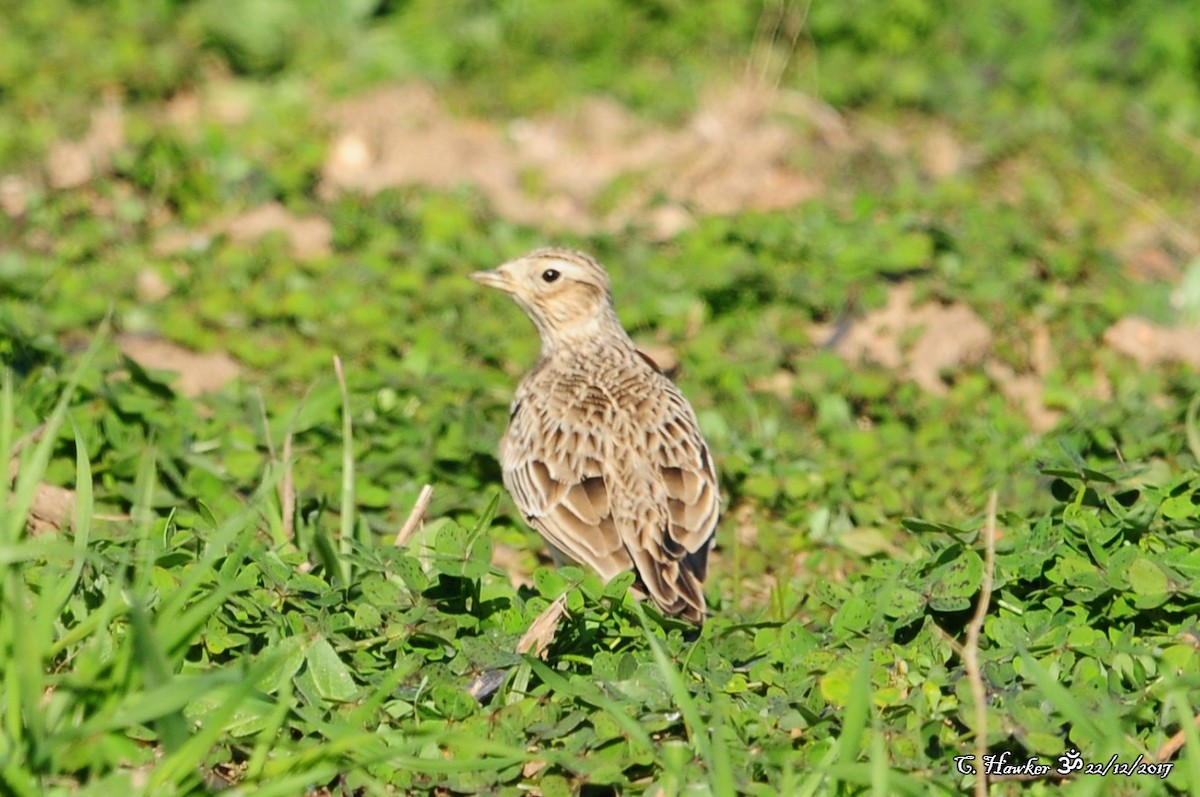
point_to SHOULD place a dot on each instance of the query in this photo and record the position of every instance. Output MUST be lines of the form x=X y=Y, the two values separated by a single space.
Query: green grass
x=223 y=616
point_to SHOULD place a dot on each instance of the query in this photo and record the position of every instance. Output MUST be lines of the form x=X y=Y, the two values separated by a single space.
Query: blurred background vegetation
x=1035 y=160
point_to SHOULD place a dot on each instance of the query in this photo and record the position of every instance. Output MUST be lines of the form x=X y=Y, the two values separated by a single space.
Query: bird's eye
x=550 y=275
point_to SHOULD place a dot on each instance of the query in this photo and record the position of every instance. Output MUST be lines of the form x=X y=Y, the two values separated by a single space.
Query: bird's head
x=565 y=292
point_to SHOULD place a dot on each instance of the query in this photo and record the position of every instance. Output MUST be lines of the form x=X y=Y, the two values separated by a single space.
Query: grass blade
x=348 y=508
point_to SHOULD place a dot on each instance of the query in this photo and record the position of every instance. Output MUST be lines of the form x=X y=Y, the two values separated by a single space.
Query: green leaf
x=453 y=702
x=905 y=603
x=854 y=615
x=1181 y=507
x=330 y=675
x=954 y=583
x=450 y=545
x=549 y=582
x=1147 y=578
x=619 y=585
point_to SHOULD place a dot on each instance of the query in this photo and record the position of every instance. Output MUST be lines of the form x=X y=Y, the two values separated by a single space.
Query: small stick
x=1171 y=746
x=287 y=484
x=347 y=513
x=415 y=516
x=541 y=631
x=287 y=490
x=971 y=646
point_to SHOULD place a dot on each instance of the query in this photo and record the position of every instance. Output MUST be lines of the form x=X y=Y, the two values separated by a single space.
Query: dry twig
x=1171 y=746
x=287 y=484
x=970 y=652
x=415 y=517
x=541 y=631
x=287 y=490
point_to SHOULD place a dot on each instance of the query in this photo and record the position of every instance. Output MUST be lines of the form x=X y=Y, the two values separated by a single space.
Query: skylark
x=603 y=455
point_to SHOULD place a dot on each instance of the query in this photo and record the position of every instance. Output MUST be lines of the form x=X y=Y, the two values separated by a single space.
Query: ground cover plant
x=930 y=280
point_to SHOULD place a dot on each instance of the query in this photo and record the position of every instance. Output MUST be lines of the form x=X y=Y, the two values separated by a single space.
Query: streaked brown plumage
x=603 y=455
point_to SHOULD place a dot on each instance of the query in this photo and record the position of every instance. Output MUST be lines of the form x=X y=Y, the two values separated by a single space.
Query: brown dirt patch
x=70 y=164
x=307 y=236
x=566 y=171
x=198 y=373
x=947 y=337
x=929 y=341
x=53 y=507
x=1152 y=344
x=14 y=195
x=52 y=510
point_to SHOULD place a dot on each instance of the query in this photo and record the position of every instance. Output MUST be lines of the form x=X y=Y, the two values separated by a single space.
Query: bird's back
x=604 y=457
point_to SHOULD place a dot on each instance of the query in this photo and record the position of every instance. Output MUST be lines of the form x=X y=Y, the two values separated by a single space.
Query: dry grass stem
x=287 y=490
x=1172 y=746
x=970 y=652
x=540 y=634
x=340 y=373
x=287 y=483
x=415 y=517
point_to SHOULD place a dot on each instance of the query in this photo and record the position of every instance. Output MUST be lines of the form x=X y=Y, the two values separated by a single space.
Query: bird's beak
x=494 y=279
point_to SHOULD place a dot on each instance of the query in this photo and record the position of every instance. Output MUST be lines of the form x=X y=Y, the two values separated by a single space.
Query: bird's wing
x=671 y=554
x=553 y=470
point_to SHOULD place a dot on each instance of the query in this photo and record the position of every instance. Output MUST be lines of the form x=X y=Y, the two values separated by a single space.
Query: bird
x=603 y=455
